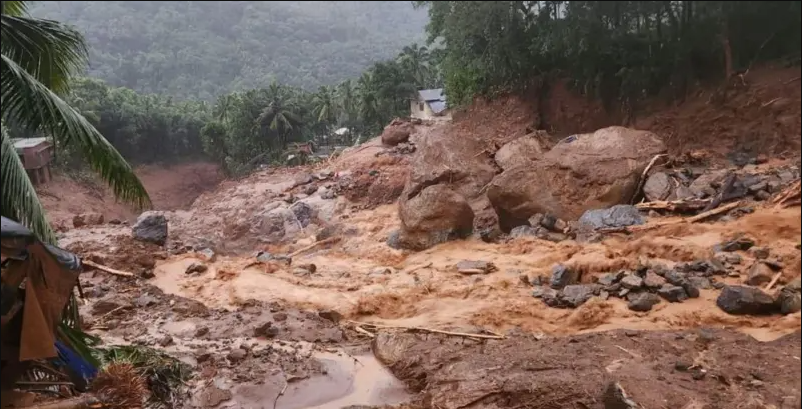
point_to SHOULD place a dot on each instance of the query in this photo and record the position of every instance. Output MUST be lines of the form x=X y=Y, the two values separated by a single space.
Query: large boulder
x=151 y=227
x=396 y=132
x=435 y=215
x=741 y=300
x=583 y=172
x=522 y=151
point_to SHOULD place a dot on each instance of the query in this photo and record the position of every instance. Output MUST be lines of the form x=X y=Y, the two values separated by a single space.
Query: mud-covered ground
x=354 y=321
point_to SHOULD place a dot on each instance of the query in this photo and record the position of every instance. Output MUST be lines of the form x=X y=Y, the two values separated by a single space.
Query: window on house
x=420 y=106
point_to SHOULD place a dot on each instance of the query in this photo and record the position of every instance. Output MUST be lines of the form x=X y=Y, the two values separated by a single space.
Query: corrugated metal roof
x=437 y=106
x=22 y=143
x=431 y=95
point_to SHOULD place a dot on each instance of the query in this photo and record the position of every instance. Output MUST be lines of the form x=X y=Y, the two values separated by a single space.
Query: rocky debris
x=330 y=315
x=310 y=190
x=545 y=293
x=397 y=131
x=328 y=194
x=738 y=244
x=207 y=254
x=643 y=302
x=196 y=267
x=236 y=355
x=615 y=397
x=522 y=151
x=470 y=267
x=653 y=281
x=632 y=282
x=87 y=219
x=572 y=296
x=302 y=179
x=728 y=258
x=760 y=253
x=672 y=293
x=435 y=215
x=589 y=171
x=616 y=216
x=658 y=186
x=789 y=299
x=266 y=330
x=702 y=283
x=151 y=227
x=759 y=274
x=264 y=257
x=303 y=213
x=562 y=276
x=741 y=300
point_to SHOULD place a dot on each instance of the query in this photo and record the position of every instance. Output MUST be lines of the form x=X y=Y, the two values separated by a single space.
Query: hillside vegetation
x=203 y=49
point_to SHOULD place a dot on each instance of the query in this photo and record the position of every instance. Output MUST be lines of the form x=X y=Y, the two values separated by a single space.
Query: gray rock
x=741 y=300
x=146 y=300
x=762 y=185
x=702 y=283
x=266 y=330
x=330 y=315
x=728 y=258
x=524 y=231
x=610 y=279
x=653 y=281
x=790 y=302
x=394 y=240
x=794 y=286
x=303 y=212
x=264 y=257
x=208 y=253
x=760 y=253
x=237 y=354
x=544 y=292
x=658 y=186
x=762 y=195
x=643 y=302
x=196 y=267
x=759 y=274
x=310 y=190
x=151 y=227
x=302 y=179
x=615 y=397
x=616 y=216
x=739 y=244
x=680 y=280
x=562 y=276
x=328 y=194
x=575 y=295
x=632 y=282
x=673 y=293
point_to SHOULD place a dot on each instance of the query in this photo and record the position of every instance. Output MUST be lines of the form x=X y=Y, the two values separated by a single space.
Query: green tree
x=39 y=59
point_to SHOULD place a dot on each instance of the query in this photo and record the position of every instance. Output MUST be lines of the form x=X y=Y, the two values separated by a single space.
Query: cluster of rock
x=701 y=183
x=642 y=288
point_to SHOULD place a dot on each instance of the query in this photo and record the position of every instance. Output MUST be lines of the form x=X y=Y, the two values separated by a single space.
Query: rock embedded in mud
x=759 y=274
x=728 y=258
x=524 y=231
x=678 y=279
x=702 y=283
x=611 y=278
x=87 y=219
x=151 y=227
x=615 y=397
x=303 y=213
x=165 y=340
x=577 y=294
x=643 y=302
x=302 y=179
x=739 y=244
x=196 y=267
x=266 y=330
x=434 y=215
x=741 y=300
x=760 y=253
x=789 y=302
x=544 y=292
x=653 y=281
x=521 y=151
x=658 y=187
x=236 y=355
x=632 y=282
x=616 y=216
x=562 y=276
x=330 y=315
x=201 y=331
x=673 y=293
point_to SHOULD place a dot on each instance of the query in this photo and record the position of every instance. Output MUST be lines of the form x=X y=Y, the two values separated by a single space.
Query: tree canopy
x=204 y=49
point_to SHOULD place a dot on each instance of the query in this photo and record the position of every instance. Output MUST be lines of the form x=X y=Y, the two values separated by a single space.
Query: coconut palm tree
x=39 y=59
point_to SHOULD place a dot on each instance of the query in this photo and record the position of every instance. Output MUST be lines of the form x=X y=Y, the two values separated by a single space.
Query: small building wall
x=420 y=110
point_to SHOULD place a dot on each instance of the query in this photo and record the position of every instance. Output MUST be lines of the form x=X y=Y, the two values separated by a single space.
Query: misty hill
x=202 y=49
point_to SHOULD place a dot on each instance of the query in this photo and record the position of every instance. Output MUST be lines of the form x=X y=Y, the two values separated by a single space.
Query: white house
x=428 y=103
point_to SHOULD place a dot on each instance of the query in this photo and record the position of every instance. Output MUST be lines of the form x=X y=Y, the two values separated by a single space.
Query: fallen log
x=682 y=206
x=106 y=269
x=434 y=331
x=790 y=196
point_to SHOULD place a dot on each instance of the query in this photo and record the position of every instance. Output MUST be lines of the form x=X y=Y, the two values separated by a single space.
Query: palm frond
x=19 y=199
x=48 y=50
x=33 y=105
x=14 y=8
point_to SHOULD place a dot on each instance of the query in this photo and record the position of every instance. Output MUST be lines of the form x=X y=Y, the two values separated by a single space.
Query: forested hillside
x=203 y=49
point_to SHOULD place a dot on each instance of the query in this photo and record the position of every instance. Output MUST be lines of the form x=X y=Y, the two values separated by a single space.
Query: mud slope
x=170 y=188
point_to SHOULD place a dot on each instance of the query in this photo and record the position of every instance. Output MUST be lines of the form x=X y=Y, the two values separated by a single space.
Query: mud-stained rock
x=616 y=216
x=643 y=302
x=396 y=132
x=151 y=227
x=437 y=214
x=759 y=274
x=87 y=219
x=592 y=171
x=740 y=300
x=576 y=371
x=522 y=151
x=658 y=186
x=303 y=213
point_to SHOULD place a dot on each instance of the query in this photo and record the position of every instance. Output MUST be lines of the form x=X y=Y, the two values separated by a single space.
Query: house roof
x=22 y=143
x=437 y=106
x=430 y=95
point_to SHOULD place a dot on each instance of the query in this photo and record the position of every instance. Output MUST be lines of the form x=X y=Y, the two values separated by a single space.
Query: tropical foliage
x=620 y=51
